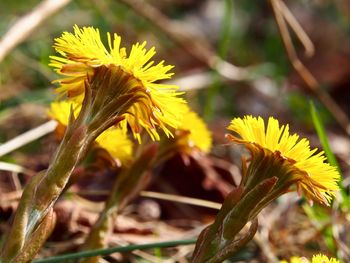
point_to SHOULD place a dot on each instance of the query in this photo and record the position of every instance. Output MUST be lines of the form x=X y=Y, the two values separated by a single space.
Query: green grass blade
x=327 y=149
x=224 y=41
x=345 y=200
x=223 y=48
x=107 y=251
x=316 y=119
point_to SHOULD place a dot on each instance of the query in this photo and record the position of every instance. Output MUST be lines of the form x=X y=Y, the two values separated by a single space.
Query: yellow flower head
x=116 y=143
x=315 y=259
x=60 y=110
x=320 y=180
x=323 y=259
x=113 y=140
x=83 y=52
x=193 y=132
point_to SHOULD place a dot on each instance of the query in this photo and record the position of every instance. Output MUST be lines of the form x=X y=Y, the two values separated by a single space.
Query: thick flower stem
x=37 y=239
x=127 y=185
x=42 y=191
x=268 y=176
x=98 y=235
x=236 y=245
x=220 y=240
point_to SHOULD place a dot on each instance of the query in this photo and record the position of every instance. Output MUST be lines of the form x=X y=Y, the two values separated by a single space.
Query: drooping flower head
x=116 y=143
x=193 y=132
x=312 y=174
x=319 y=258
x=113 y=140
x=156 y=104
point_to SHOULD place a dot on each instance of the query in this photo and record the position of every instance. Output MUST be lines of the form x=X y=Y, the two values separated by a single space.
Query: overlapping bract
x=323 y=176
x=84 y=51
x=113 y=140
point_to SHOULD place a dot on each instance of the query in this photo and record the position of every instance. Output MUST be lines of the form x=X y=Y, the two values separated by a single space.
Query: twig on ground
x=10 y=197
x=181 y=199
x=298 y=30
x=27 y=137
x=282 y=17
x=26 y=25
x=194 y=81
x=10 y=167
x=15 y=180
x=195 y=46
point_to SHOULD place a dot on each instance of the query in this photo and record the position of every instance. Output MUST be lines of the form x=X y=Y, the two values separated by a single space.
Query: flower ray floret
x=193 y=132
x=83 y=51
x=320 y=182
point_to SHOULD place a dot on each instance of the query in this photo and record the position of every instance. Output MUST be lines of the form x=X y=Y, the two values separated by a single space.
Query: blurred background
x=267 y=58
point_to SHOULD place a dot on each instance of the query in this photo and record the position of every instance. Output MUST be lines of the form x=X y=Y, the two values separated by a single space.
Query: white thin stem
x=27 y=24
x=181 y=199
x=10 y=167
x=27 y=137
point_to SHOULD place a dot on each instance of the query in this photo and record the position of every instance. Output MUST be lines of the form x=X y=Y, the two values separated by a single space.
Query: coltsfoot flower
x=116 y=143
x=113 y=140
x=308 y=169
x=323 y=259
x=315 y=259
x=278 y=161
x=156 y=104
x=193 y=132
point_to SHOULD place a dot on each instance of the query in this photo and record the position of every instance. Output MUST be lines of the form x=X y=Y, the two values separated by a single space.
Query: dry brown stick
x=298 y=30
x=194 y=46
x=181 y=199
x=27 y=137
x=26 y=25
x=304 y=72
x=202 y=51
